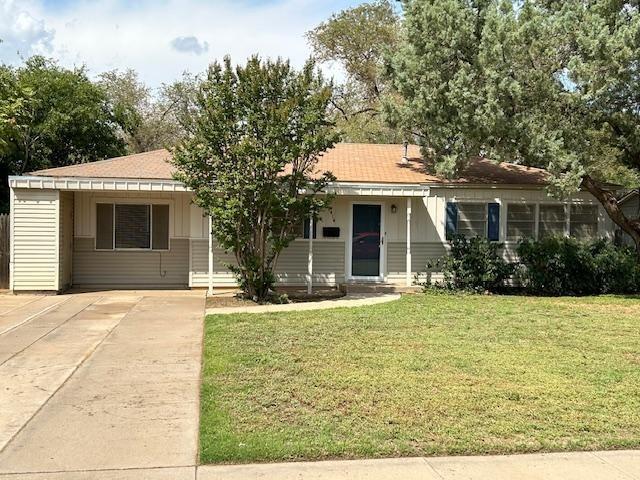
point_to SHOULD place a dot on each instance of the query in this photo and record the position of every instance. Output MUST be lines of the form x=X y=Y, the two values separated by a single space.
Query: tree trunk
x=614 y=210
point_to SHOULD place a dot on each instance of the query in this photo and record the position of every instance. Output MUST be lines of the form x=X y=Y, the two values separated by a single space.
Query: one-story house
x=126 y=223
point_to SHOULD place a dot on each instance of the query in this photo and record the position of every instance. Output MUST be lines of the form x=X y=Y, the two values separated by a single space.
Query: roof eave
x=100 y=184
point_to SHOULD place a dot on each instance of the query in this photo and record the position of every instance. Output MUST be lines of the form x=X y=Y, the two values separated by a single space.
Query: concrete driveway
x=95 y=382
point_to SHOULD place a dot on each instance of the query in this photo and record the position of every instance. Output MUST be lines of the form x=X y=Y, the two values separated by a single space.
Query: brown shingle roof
x=153 y=165
x=349 y=162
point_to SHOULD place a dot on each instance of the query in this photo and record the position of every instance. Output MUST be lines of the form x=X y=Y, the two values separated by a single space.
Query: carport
x=103 y=233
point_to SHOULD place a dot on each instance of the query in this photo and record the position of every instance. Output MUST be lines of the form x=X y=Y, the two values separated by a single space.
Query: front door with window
x=366 y=241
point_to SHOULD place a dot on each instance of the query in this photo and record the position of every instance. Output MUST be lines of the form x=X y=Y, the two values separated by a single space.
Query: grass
x=426 y=375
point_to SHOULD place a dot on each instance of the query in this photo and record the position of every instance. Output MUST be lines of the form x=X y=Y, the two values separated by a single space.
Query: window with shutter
x=133 y=226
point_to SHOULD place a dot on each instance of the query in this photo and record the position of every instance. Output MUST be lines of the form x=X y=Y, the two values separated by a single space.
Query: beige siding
x=35 y=240
x=328 y=264
x=421 y=253
x=127 y=269
x=200 y=265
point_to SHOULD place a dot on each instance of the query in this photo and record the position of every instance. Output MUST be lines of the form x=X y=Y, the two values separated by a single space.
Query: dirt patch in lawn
x=288 y=295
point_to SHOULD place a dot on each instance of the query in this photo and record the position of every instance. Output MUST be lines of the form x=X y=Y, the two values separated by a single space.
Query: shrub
x=472 y=264
x=566 y=266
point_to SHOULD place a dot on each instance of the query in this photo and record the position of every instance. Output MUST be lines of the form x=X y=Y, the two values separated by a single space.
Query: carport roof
x=349 y=162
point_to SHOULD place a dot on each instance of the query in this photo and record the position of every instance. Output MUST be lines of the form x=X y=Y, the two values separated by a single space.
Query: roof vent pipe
x=405 y=156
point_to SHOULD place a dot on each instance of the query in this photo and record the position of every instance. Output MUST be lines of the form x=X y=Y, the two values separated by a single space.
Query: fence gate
x=4 y=250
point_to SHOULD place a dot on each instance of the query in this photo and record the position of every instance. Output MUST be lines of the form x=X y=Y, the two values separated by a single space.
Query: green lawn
x=426 y=375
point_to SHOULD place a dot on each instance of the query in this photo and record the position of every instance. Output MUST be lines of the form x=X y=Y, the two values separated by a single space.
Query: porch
x=131 y=235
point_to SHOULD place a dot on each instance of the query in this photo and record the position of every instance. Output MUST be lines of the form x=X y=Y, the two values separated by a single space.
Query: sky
x=159 y=39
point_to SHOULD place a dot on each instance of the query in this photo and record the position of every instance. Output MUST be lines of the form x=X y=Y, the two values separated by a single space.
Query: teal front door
x=366 y=241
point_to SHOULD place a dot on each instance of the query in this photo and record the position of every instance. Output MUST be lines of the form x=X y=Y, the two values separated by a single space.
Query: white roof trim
x=85 y=183
x=143 y=185
x=378 y=189
x=134 y=185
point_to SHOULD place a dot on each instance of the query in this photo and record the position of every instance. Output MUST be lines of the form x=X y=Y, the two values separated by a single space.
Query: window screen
x=521 y=221
x=584 y=221
x=104 y=226
x=472 y=219
x=552 y=220
x=160 y=226
x=133 y=224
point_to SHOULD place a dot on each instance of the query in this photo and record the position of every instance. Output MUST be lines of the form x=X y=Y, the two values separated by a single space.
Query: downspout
x=408 y=264
x=210 y=291
x=310 y=259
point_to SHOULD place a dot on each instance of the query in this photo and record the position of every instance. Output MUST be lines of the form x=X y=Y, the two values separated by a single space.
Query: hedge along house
x=126 y=223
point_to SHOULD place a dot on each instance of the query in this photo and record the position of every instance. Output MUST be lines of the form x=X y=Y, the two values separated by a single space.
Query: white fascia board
x=378 y=189
x=100 y=184
x=486 y=186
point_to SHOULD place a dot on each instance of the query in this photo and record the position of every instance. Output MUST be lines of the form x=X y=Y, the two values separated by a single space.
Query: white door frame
x=383 y=245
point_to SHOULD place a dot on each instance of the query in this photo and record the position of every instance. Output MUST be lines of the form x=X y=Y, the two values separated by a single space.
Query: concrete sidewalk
x=614 y=465
x=350 y=300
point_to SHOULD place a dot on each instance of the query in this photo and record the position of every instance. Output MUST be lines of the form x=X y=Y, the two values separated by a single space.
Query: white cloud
x=22 y=33
x=117 y=34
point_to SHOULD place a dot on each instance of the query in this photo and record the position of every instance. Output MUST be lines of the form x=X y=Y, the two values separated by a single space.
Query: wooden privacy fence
x=4 y=250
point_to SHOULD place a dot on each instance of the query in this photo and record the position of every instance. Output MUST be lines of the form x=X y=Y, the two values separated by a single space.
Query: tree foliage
x=148 y=120
x=357 y=40
x=250 y=156
x=51 y=116
x=537 y=82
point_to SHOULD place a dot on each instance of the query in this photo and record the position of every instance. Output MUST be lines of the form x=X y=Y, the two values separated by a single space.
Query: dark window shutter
x=160 y=222
x=452 y=220
x=493 y=227
x=104 y=226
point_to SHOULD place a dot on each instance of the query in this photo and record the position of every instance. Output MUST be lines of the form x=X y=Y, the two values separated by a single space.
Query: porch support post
x=210 y=292
x=310 y=259
x=408 y=267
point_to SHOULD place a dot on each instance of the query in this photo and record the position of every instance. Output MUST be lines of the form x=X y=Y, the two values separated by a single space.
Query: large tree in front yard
x=250 y=157
x=546 y=83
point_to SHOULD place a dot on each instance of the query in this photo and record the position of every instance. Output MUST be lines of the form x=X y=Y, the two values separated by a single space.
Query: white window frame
x=597 y=219
x=536 y=220
x=486 y=214
x=131 y=201
x=567 y=213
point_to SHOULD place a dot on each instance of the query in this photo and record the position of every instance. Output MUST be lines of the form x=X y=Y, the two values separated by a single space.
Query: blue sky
x=162 y=38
